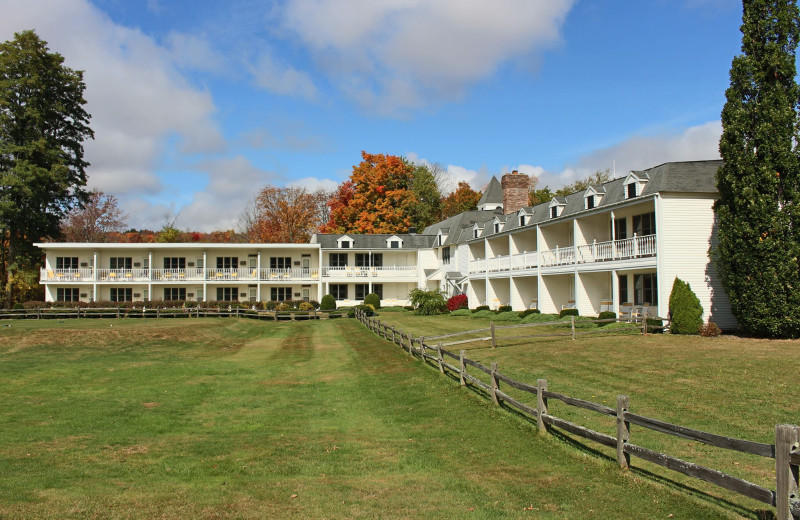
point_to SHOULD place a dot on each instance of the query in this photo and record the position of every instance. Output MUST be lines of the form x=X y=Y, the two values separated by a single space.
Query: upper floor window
x=497 y=227
x=120 y=262
x=554 y=212
x=280 y=262
x=446 y=256
x=338 y=259
x=644 y=224
x=345 y=242
x=590 y=202
x=521 y=220
x=174 y=262
x=369 y=260
x=395 y=244
x=227 y=262
x=67 y=262
x=630 y=190
x=475 y=233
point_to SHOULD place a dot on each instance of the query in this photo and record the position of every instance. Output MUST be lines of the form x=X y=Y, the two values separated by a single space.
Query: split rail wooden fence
x=785 y=451
x=156 y=312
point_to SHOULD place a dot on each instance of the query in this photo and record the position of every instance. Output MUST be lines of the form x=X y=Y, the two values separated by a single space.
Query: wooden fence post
x=644 y=322
x=439 y=357
x=495 y=384
x=787 y=442
x=491 y=328
x=117 y=312
x=411 y=343
x=572 y=323
x=541 y=404
x=394 y=339
x=462 y=368
x=421 y=349
x=623 y=431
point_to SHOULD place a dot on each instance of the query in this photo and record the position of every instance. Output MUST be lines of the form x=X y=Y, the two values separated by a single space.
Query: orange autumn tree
x=376 y=199
x=287 y=215
x=464 y=198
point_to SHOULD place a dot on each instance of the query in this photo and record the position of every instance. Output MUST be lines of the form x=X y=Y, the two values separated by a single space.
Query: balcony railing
x=210 y=275
x=393 y=271
x=303 y=273
x=634 y=247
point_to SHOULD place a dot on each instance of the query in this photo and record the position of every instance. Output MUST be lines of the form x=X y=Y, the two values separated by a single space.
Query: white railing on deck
x=397 y=271
x=634 y=247
x=302 y=273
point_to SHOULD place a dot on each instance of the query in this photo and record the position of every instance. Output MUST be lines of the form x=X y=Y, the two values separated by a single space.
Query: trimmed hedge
x=487 y=314
x=374 y=300
x=507 y=316
x=539 y=318
x=529 y=312
x=504 y=308
x=568 y=312
x=607 y=315
x=461 y=312
x=481 y=308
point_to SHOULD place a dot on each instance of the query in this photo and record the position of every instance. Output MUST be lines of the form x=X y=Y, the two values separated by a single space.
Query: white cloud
x=136 y=95
x=281 y=79
x=696 y=143
x=195 y=53
x=396 y=54
x=315 y=183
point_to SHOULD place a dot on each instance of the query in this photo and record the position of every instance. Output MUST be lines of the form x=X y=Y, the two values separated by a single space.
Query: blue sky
x=197 y=105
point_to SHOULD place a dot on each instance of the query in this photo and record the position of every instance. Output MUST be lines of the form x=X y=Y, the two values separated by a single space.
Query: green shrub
x=19 y=306
x=607 y=315
x=408 y=307
x=504 y=308
x=622 y=327
x=685 y=311
x=581 y=322
x=393 y=309
x=539 y=318
x=374 y=300
x=481 y=308
x=487 y=314
x=529 y=312
x=568 y=312
x=305 y=306
x=427 y=303
x=283 y=307
x=328 y=303
x=507 y=316
x=461 y=312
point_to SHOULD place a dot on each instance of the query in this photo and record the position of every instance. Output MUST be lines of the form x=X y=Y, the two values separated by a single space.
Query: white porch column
x=615 y=291
x=94 y=277
x=613 y=239
x=369 y=267
x=205 y=276
x=149 y=265
x=258 y=276
x=664 y=286
x=539 y=242
x=320 y=285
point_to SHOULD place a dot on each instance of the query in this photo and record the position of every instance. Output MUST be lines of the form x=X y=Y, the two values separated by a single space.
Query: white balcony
x=277 y=275
x=635 y=247
x=403 y=272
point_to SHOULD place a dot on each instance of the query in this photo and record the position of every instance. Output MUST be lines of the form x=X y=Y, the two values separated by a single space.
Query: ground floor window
x=174 y=293
x=67 y=294
x=645 y=288
x=339 y=291
x=227 y=294
x=279 y=294
x=362 y=290
x=121 y=294
x=377 y=288
x=623 y=288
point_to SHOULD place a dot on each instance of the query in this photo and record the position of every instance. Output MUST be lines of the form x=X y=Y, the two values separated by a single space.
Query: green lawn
x=728 y=385
x=228 y=418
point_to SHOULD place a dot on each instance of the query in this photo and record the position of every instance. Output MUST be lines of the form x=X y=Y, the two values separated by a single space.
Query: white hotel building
x=615 y=246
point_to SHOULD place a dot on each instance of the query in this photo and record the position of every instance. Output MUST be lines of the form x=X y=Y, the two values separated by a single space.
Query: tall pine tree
x=758 y=249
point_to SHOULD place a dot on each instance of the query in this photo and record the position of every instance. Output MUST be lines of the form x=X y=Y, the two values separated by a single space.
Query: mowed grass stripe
x=240 y=419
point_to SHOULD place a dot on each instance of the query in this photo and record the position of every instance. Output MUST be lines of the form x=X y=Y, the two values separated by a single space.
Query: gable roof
x=410 y=240
x=493 y=193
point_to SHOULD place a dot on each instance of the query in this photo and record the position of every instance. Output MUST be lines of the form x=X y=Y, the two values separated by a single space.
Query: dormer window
x=345 y=242
x=634 y=185
x=394 y=242
x=592 y=197
x=556 y=208
x=475 y=233
x=590 y=202
x=496 y=227
x=521 y=220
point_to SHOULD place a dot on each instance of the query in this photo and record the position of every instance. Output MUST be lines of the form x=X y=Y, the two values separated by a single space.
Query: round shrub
x=481 y=308
x=374 y=300
x=305 y=306
x=528 y=312
x=568 y=312
x=581 y=322
x=461 y=312
x=328 y=303
x=487 y=314
x=507 y=316
x=459 y=301
x=504 y=308
x=685 y=310
x=18 y=306
x=622 y=327
x=539 y=318
x=283 y=307
x=607 y=315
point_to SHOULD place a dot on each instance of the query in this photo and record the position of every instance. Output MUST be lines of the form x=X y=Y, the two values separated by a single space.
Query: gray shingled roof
x=460 y=225
x=674 y=177
x=410 y=241
x=493 y=193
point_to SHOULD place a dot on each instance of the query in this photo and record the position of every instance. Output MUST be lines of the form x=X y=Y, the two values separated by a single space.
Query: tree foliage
x=427 y=303
x=685 y=311
x=425 y=187
x=95 y=221
x=758 y=250
x=43 y=125
x=464 y=198
x=378 y=198
x=288 y=214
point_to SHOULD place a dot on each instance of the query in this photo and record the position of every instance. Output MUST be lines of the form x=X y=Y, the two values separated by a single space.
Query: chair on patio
x=626 y=311
x=606 y=305
x=570 y=305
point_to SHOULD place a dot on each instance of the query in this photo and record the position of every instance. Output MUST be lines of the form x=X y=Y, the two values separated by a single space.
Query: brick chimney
x=515 y=191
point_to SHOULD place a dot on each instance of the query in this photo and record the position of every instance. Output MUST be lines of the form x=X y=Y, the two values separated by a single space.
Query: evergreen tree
x=42 y=128
x=758 y=248
x=685 y=311
x=429 y=199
